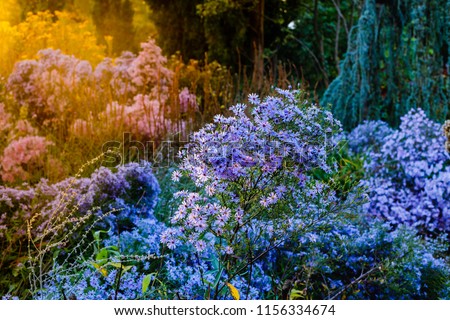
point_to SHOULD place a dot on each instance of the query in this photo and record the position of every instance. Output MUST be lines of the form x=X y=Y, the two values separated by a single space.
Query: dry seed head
x=447 y=135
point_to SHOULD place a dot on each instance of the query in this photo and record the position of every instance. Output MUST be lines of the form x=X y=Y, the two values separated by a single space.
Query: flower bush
x=368 y=136
x=177 y=275
x=22 y=156
x=131 y=253
x=62 y=215
x=74 y=102
x=257 y=208
x=47 y=86
x=408 y=178
x=353 y=258
x=149 y=72
x=255 y=182
x=358 y=259
x=112 y=76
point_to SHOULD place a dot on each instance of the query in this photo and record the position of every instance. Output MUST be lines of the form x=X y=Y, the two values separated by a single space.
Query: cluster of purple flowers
x=132 y=187
x=408 y=176
x=255 y=193
x=389 y=264
x=253 y=170
x=368 y=136
x=45 y=84
x=132 y=91
x=21 y=156
x=110 y=199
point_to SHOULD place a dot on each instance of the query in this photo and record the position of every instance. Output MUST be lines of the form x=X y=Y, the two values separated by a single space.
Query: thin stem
x=362 y=276
x=119 y=276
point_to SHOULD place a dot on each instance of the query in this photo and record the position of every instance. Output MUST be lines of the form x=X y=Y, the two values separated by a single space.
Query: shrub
x=61 y=30
x=66 y=31
x=61 y=217
x=408 y=178
x=365 y=260
x=116 y=269
x=47 y=86
x=368 y=137
x=65 y=97
x=23 y=157
x=255 y=187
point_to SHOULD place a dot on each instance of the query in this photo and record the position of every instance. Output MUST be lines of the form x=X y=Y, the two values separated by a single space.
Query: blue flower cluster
x=265 y=200
x=91 y=284
x=368 y=136
x=408 y=175
x=133 y=252
x=365 y=260
x=353 y=259
x=132 y=188
x=181 y=274
x=191 y=275
x=253 y=173
x=61 y=213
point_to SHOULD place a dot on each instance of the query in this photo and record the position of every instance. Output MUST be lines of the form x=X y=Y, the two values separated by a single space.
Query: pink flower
x=188 y=101
x=25 y=152
x=228 y=250
x=176 y=175
x=148 y=69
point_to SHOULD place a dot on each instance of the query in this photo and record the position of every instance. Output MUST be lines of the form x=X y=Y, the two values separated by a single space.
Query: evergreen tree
x=397 y=59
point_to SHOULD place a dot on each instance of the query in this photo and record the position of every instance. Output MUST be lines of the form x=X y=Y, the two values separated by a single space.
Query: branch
x=319 y=65
x=336 y=5
x=365 y=274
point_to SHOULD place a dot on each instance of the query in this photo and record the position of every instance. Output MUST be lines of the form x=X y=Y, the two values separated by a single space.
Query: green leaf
x=146 y=282
x=97 y=235
x=218 y=276
x=296 y=294
x=102 y=270
x=102 y=256
x=115 y=264
x=126 y=268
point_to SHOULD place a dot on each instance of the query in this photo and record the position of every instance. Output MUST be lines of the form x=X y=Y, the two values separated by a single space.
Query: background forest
x=220 y=149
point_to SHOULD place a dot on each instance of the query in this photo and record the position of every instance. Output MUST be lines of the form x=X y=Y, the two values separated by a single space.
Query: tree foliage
x=311 y=35
x=397 y=59
x=115 y=18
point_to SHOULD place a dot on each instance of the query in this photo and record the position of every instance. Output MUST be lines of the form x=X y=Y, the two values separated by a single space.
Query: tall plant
x=255 y=185
x=397 y=59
